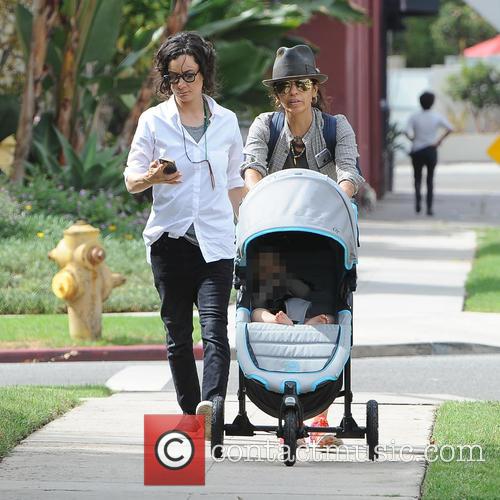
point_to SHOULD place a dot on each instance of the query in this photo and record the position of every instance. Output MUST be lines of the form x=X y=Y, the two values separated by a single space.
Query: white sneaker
x=205 y=408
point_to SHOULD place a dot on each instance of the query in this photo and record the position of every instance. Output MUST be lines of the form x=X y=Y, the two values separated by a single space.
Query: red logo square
x=174 y=449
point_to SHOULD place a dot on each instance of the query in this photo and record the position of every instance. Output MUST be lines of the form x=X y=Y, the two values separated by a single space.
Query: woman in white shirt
x=189 y=235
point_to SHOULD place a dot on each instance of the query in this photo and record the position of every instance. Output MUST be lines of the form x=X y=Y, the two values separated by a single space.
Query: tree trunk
x=44 y=16
x=174 y=23
x=67 y=81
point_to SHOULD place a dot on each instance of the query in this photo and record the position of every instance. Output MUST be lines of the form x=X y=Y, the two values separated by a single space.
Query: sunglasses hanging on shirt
x=205 y=126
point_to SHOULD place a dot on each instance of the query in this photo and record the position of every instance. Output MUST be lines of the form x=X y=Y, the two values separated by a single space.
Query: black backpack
x=329 y=134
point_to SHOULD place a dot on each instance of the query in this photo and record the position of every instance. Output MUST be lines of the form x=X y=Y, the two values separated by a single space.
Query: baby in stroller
x=280 y=291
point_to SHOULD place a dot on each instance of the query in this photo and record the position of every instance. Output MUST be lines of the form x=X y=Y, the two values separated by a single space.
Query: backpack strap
x=330 y=133
x=275 y=127
x=330 y=136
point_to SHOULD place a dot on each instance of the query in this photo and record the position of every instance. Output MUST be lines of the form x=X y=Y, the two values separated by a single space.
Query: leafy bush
x=92 y=168
x=478 y=86
x=110 y=212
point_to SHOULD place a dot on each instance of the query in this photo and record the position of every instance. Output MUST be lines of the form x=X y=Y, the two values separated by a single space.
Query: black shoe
x=417 y=208
x=430 y=212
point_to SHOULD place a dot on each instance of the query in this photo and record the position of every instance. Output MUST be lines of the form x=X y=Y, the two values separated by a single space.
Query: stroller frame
x=291 y=415
x=331 y=218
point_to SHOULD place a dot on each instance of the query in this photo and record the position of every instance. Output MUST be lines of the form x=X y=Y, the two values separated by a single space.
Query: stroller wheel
x=217 y=426
x=372 y=428
x=290 y=428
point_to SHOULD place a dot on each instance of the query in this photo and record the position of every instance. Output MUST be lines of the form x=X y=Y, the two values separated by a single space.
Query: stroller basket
x=273 y=354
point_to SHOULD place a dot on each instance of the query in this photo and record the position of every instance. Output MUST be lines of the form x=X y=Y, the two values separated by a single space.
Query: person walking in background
x=422 y=129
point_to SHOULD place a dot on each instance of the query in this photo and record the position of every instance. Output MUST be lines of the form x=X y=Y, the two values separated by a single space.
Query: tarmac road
x=469 y=376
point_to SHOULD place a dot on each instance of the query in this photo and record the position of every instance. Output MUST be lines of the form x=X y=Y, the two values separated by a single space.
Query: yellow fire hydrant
x=84 y=281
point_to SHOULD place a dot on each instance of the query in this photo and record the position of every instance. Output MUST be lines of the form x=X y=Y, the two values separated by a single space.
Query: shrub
x=477 y=86
x=93 y=168
x=110 y=212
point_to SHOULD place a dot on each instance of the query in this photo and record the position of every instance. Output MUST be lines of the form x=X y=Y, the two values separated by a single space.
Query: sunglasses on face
x=286 y=86
x=173 y=78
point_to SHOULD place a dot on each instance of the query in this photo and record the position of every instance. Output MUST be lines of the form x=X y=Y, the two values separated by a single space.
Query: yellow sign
x=494 y=150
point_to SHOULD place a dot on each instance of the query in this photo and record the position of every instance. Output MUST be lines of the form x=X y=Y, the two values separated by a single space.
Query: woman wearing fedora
x=295 y=88
x=301 y=140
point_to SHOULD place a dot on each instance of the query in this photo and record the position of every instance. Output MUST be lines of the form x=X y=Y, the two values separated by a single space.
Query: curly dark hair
x=186 y=43
x=320 y=102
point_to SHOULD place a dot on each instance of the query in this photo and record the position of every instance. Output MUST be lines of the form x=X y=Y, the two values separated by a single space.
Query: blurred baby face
x=270 y=265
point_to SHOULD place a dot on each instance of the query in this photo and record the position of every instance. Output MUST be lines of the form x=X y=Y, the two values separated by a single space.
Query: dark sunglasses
x=285 y=86
x=188 y=77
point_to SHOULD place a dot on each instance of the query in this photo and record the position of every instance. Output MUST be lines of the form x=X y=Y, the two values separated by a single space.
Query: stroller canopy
x=298 y=200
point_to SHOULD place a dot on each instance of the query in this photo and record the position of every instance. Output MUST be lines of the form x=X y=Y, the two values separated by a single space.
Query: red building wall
x=352 y=56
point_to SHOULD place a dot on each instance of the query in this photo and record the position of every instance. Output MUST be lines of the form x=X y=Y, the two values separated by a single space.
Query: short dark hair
x=427 y=100
x=186 y=43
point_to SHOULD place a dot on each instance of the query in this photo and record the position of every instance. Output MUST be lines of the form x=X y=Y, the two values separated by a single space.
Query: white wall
x=404 y=88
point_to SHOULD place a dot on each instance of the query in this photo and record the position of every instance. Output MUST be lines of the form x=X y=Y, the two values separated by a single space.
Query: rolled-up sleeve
x=256 y=147
x=234 y=179
x=346 y=153
x=141 y=149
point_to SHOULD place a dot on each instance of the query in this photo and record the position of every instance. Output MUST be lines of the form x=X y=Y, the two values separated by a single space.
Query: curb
x=423 y=349
x=159 y=352
x=108 y=353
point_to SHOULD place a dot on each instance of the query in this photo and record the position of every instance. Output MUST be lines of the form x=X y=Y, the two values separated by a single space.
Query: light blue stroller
x=296 y=372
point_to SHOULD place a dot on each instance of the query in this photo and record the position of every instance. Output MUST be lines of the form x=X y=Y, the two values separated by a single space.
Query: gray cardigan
x=346 y=150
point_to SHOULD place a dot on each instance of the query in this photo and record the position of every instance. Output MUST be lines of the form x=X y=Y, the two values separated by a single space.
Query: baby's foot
x=321 y=319
x=283 y=319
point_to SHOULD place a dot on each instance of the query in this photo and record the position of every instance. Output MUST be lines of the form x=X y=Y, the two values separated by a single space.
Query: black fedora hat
x=294 y=63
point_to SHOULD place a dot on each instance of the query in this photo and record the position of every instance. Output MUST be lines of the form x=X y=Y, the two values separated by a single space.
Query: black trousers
x=426 y=157
x=183 y=278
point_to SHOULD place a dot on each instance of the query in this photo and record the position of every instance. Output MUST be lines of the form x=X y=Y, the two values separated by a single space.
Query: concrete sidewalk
x=96 y=451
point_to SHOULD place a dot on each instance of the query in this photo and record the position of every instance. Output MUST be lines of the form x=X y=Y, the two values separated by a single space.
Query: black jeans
x=183 y=278
x=424 y=157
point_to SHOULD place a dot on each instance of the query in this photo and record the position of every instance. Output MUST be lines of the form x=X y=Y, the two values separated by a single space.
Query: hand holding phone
x=169 y=166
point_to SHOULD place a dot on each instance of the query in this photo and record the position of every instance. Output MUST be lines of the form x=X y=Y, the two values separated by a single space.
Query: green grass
x=24 y=409
x=483 y=282
x=51 y=330
x=26 y=272
x=466 y=423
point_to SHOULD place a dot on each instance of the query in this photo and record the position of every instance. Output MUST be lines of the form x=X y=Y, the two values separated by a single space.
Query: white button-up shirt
x=193 y=201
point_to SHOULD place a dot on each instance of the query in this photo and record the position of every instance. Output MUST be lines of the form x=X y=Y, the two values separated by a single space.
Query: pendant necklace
x=297 y=141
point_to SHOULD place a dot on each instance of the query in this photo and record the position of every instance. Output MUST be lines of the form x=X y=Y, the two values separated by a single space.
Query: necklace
x=297 y=142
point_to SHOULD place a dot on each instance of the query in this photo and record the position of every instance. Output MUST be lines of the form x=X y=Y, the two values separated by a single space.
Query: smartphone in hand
x=169 y=166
